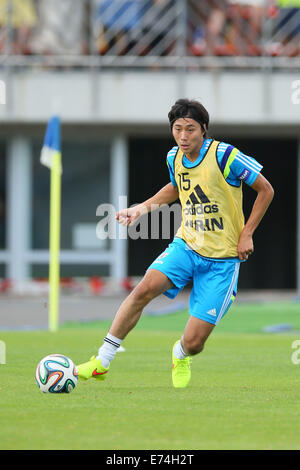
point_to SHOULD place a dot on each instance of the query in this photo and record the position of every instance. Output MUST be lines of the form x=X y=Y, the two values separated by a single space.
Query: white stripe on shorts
x=229 y=292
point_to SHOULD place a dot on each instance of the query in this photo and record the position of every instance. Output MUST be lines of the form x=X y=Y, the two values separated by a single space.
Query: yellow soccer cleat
x=92 y=368
x=181 y=370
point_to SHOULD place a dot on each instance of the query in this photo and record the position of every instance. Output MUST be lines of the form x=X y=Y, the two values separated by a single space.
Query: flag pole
x=51 y=158
x=54 y=235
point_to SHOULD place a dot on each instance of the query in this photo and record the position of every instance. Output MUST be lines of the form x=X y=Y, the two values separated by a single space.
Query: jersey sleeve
x=236 y=166
x=170 y=163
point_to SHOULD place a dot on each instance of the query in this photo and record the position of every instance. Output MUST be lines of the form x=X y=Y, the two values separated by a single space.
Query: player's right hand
x=128 y=216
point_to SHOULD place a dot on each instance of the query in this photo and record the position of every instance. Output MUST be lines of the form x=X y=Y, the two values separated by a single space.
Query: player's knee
x=144 y=293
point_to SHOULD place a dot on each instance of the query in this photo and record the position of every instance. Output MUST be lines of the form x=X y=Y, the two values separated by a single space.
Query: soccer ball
x=56 y=373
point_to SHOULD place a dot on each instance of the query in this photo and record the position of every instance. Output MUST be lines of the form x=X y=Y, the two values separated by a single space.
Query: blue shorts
x=214 y=282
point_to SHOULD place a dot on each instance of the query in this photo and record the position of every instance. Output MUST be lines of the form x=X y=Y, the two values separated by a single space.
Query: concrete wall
x=144 y=98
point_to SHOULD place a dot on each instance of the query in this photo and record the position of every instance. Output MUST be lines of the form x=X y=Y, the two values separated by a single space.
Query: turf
x=244 y=392
x=241 y=318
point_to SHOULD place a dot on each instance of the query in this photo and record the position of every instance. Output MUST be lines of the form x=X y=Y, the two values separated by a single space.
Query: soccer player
x=212 y=241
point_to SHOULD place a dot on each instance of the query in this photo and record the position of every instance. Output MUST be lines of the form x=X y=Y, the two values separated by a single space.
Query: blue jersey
x=242 y=168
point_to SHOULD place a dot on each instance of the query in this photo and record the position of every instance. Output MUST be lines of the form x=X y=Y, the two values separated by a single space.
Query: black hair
x=185 y=108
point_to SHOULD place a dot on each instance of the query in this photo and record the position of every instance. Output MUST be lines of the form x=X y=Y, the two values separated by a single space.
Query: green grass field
x=244 y=392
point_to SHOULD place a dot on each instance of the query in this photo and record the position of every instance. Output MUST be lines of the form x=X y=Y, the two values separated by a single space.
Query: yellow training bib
x=212 y=213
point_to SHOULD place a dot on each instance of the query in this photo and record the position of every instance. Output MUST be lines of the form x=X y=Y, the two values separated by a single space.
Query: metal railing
x=149 y=33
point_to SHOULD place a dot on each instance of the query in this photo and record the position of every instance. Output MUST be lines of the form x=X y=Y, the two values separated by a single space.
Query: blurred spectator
x=17 y=19
x=235 y=27
x=286 y=32
x=232 y=27
x=246 y=25
x=118 y=25
x=158 y=36
x=60 y=27
x=215 y=29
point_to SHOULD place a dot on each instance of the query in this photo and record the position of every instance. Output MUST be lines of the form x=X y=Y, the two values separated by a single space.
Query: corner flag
x=51 y=145
x=51 y=157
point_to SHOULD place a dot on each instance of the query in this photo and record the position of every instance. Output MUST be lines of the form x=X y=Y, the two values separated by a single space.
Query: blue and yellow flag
x=52 y=144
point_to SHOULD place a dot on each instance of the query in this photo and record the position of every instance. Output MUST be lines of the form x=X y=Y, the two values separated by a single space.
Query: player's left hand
x=245 y=246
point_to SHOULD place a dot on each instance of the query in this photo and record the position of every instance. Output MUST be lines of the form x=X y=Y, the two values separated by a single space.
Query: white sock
x=107 y=351
x=179 y=352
